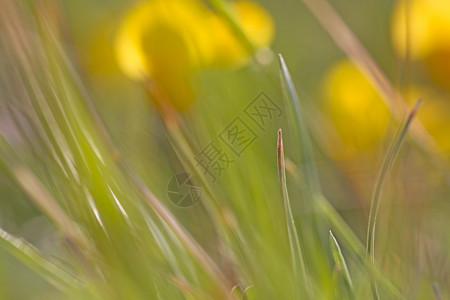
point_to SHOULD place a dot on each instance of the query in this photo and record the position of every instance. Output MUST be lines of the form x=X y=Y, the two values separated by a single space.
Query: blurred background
x=351 y=128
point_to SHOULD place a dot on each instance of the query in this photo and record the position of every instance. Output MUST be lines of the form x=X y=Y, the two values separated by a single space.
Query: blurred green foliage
x=75 y=126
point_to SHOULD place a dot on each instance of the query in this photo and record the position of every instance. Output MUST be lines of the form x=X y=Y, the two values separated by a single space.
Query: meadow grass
x=264 y=230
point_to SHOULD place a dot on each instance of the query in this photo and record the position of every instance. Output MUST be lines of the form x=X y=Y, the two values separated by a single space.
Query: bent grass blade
x=55 y=273
x=339 y=260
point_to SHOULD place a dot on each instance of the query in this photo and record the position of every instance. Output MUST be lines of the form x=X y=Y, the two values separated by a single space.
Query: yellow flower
x=355 y=109
x=256 y=24
x=434 y=114
x=428 y=22
x=360 y=116
x=166 y=41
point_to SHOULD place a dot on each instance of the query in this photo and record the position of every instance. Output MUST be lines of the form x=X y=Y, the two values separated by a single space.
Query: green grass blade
x=296 y=252
x=52 y=271
x=200 y=255
x=312 y=180
x=313 y=225
x=352 y=241
x=382 y=178
x=380 y=184
x=31 y=185
x=307 y=157
x=339 y=260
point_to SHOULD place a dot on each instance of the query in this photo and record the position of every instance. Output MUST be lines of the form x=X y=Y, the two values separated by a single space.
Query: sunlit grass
x=266 y=227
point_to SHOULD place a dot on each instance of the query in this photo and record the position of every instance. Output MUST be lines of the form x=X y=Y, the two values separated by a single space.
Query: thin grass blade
x=47 y=204
x=313 y=224
x=383 y=175
x=200 y=255
x=296 y=251
x=352 y=241
x=311 y=180
x=52 y=271
x=307 y=156
x=339 y=260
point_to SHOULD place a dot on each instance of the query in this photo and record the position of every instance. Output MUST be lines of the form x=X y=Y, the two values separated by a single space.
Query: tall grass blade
x=380 y=184
x=307 y=156
x=296 y=252
x=312 y=226
x=352 y=241
x=47 y=204
x=52 y=271
x=186 y=239
x=311 y=179
x=382 y=178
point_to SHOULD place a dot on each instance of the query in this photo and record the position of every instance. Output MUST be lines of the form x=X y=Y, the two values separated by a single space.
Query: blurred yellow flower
x=434 y=114
x=256 y=23
x=355 y=109
x=360 y=116
x=422 y=29
x=166 y=41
